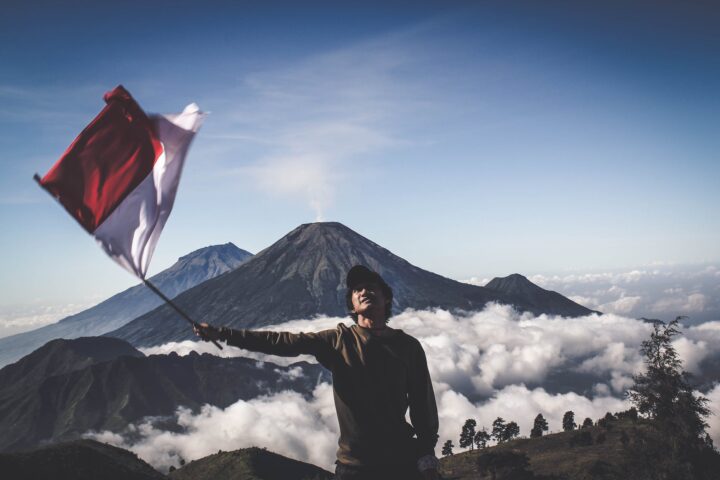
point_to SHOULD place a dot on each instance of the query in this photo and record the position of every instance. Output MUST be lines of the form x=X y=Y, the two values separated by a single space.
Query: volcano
x=302 y=275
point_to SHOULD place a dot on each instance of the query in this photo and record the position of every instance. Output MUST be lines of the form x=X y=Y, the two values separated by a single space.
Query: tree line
x=503 y=431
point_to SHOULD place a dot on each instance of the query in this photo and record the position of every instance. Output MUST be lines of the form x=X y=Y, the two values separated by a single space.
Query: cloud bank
x=496 y=362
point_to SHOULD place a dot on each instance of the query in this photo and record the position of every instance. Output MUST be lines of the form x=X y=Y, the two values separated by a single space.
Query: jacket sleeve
x=284 y=344
x=423 y=410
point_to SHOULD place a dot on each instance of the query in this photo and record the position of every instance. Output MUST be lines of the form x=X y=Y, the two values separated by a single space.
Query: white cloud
x=519 y=404
x=622 y=305
x=285 y=423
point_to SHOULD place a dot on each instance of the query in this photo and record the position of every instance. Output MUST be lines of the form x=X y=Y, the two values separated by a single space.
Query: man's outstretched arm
x=284 y=344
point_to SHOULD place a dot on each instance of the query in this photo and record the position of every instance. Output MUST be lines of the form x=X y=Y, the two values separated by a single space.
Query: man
x=378 y=372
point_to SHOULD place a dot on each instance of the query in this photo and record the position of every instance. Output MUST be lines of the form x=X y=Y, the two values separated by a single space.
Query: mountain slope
x=303 y=275
x=109 y=395
x=537 y=298
x=249 y=464
x=79 y=460
x=188 y=271
x=62 y=356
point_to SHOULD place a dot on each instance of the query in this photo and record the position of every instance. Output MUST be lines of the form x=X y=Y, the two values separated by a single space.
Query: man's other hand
x=208 y=333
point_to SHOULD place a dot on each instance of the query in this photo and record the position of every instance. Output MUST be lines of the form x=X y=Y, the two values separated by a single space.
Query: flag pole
x=177 y=309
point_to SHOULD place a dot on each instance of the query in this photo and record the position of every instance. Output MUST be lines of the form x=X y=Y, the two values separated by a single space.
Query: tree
x=447 y=448
x=587 y=423
x=539 y=426
x=675 y=446
x=630 y=414
x=511 y=431
x=663 y=392
x=569 y=421
x=607 y=421
x=467 y=435
x=481 y=438
x=498 y=429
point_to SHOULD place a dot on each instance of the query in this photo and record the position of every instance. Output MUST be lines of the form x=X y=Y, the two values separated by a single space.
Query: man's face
x=369 y=301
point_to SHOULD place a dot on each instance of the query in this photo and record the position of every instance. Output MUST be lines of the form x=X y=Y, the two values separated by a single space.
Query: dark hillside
x=249 y=464
x=79 y=460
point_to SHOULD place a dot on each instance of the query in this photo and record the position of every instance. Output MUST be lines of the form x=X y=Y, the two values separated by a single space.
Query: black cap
x=362 y=274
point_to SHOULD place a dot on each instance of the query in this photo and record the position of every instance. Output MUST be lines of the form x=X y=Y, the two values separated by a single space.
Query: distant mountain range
x=188 y=271
x=69 y=387
x=302 y=275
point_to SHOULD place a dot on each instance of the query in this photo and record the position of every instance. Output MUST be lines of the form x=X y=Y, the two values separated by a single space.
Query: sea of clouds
x=483 y=364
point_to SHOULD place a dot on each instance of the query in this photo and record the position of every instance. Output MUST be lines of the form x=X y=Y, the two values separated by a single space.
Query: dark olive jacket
x=375 y=379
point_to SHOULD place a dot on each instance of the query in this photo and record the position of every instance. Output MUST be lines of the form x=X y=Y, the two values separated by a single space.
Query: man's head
x=367 y=294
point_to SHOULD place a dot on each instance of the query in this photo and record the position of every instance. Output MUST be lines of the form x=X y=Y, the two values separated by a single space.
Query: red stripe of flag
x=106 y=162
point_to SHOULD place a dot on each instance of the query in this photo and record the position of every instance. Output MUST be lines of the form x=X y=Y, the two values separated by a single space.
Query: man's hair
x=387 y=293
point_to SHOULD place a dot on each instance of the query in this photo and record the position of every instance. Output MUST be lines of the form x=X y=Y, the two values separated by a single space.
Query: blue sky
x=472 y=139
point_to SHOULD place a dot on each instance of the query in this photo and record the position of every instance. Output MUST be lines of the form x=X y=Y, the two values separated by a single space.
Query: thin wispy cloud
x=317 y=116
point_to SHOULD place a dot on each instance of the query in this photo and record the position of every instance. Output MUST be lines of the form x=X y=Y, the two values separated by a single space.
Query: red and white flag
x=119 y=177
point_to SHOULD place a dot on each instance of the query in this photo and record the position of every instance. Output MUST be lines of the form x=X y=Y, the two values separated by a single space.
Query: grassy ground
x=589 y=453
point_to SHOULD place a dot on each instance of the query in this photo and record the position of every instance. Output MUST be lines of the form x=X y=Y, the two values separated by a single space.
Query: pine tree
x=447 y=448
x=569 y=421
x=481 y=438
x=663 y=392
x=498 y=428
x=587 y=423
x=539 y=426
x=677 y=445
x=467 y=435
